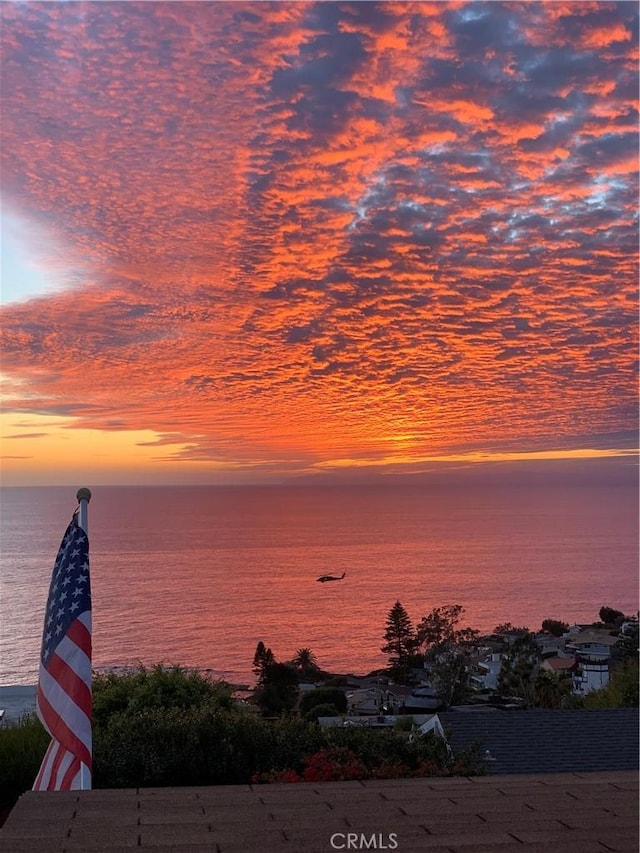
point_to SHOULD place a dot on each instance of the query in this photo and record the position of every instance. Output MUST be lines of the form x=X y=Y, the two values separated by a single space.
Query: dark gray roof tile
x=541 y=741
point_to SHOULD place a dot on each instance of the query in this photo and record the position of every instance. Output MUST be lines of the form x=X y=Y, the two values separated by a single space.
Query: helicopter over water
x=325 y=578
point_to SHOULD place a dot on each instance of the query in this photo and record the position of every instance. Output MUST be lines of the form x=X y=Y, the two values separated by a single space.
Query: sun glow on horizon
x=479 y=457
x=52 y=450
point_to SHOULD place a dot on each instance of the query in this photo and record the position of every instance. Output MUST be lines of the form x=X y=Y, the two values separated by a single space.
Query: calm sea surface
x=198 y=576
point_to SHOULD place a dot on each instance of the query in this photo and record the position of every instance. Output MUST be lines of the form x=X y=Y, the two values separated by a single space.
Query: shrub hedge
x=22 y=748
x=168 y=727
x=200 y=746
x=324 y=696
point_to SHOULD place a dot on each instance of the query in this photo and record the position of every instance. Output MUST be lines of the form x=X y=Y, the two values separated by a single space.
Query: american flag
x=63 y=699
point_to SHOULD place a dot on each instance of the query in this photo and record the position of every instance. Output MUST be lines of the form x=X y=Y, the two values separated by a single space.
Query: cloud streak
x=315 y=229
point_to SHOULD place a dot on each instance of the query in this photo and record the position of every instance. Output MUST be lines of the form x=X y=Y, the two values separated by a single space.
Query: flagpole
x=83 y=497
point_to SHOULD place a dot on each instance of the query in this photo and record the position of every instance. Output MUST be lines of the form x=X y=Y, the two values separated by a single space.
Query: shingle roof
x=562 y=813
x=540 y=741
x=599 y=637
x=558 y=664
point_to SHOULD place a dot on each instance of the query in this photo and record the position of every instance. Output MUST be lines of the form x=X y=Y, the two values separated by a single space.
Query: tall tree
x=262 y=658
x=610 y=616
x=438 y=631
x=278 y=689
x=554 y=627
x=550 y=690
x=401 y=642
x=449 y=674
x=519 y=668
x=305 y=662
x=447 y=650
x=627 y=645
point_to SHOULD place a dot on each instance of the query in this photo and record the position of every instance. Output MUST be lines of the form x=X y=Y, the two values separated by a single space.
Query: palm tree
x=304 y=660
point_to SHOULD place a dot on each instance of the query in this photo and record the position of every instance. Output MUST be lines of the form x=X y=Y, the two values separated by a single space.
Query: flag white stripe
x=50 y=757
x=48 y=780
x=64 y=689
x=63 y=767
x=77 y=660
x=61 y=702
x=76 y=782
x=74 y=657
x=85 y=618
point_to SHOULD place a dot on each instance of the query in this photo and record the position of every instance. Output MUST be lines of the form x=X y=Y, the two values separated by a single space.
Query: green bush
x=293 y=740
x=374 y=754
x=200 y=746
x=158 y=687
x=166 y=746
x=335 y=681
x=620 y=692
x=22 y=748
x=168 y=727
x=278 y=689
x=373 y=747
x=324 y=710
x=324 y=696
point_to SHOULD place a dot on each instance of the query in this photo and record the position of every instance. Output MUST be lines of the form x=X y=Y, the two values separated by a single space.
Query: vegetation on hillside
x=168 y=726
x=620 y=692
x=401 y=643
x=439 y=640
x=22 y=748
x=444 y=649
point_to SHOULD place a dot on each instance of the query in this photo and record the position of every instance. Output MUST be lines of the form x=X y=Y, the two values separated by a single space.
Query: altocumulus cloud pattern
x=300 y=233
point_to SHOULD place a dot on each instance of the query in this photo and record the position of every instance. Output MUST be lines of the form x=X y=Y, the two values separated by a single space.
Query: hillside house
x=592 y=651
x=484 y=671
x=563 y=667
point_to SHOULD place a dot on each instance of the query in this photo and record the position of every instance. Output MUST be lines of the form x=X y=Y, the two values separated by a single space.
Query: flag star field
x=70 y=592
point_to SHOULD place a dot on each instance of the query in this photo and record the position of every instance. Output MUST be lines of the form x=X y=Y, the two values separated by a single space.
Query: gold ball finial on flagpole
x=83 y=494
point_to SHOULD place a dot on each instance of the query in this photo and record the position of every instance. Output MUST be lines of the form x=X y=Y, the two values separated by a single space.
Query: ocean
x=198 y=575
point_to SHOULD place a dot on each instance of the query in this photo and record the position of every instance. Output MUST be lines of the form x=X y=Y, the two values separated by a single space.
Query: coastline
x=17 y=700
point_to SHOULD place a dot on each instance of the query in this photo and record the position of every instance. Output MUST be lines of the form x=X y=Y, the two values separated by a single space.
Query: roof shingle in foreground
x=558 y=813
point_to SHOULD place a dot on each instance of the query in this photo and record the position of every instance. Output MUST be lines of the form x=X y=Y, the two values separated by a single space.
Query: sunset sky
x=248 y=241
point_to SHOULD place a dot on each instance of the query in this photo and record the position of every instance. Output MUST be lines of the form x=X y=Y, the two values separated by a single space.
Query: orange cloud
x=291 y=230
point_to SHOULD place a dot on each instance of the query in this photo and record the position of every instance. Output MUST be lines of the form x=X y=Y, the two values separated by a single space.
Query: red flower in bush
x=276 y=776
x=334 y=764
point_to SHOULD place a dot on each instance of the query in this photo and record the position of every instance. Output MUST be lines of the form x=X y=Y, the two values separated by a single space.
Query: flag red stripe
x=61 y=703
x=59 y=730
x=37 y=785
x=68 y=777
x=80 y=636
x=55 y=767
x=70 y=682
x=63 y=699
